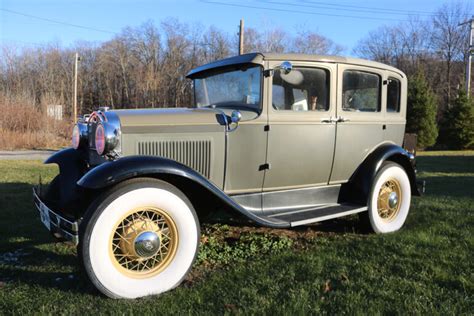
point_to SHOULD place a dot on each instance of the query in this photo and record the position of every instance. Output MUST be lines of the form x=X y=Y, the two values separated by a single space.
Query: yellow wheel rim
x=388 y=201
x=143 y=242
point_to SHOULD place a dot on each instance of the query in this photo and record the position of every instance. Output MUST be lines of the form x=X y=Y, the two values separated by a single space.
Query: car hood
x=169 y=117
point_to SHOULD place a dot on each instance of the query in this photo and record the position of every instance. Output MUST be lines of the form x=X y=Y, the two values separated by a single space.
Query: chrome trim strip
x=323 y=218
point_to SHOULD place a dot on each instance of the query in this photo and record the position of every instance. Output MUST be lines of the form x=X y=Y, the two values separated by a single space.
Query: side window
x=360 y=91
x=393 y=95
x=303 y=89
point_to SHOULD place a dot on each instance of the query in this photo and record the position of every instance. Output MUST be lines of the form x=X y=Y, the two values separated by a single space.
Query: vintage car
x=282 y=139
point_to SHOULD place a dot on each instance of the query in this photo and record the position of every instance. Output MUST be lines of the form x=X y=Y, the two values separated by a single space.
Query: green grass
x=329 y=268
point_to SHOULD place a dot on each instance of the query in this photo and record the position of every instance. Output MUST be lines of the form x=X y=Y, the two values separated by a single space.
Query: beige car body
x=301 y=150
x=280 y=167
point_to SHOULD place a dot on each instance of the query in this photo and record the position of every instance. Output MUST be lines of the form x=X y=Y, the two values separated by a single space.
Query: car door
x=361 y=123
x=301 y=134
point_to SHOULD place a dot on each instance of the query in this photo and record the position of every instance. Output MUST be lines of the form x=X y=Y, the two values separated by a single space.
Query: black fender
x=358 y=187
x=114 y=172
x=72 y=166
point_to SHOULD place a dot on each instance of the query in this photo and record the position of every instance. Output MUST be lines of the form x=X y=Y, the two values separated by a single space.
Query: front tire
x=389 y=199
x=140 y=238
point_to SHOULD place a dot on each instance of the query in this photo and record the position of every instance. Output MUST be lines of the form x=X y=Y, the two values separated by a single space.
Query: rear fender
x=358 y=187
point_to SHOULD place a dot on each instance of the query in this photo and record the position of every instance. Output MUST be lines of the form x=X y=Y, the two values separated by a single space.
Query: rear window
x=361 y=91
x=393 y=95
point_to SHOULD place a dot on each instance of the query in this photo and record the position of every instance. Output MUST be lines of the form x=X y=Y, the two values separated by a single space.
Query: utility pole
x=469 y=57
x=241 y=37
x=76 y=62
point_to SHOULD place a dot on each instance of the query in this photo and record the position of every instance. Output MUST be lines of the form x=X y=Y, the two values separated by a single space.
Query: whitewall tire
x=139 y=239
x=389 y=199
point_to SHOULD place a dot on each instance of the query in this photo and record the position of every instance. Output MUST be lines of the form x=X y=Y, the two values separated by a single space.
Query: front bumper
x=58 y=225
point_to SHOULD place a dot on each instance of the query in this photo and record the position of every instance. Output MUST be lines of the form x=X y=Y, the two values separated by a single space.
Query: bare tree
x=449 y=40
x=308 y=42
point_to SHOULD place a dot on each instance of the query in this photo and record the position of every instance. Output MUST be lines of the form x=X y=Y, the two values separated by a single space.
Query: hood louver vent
x=195 y=154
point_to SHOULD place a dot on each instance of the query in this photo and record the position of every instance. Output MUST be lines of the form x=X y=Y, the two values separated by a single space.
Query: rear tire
x=139 y=238
x=389 y=199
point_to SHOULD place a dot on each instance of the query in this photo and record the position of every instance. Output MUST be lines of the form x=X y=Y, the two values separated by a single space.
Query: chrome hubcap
x=147 y=244
x=393 y=200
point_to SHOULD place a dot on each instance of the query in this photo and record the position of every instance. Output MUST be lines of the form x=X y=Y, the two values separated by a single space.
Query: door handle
x=329 y=120
x=341 y=119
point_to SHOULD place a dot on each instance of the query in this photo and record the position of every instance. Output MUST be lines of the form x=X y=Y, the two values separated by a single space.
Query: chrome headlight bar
x=106 y=137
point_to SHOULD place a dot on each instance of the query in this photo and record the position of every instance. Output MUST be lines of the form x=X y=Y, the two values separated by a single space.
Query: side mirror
x=236 y=116
x=285 y=67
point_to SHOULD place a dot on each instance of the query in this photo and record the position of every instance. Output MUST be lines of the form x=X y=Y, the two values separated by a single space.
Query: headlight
x=79 y=135
x=106 y=138
x=100 y=139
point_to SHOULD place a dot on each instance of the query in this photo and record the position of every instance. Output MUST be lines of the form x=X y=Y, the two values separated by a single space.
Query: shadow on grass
x=29 y=253
x=454 y=187
x=457 y=164
x=19 y=219
x=64 y=281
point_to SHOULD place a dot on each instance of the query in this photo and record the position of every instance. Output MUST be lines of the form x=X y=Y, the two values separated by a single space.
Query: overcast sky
x=33 y=22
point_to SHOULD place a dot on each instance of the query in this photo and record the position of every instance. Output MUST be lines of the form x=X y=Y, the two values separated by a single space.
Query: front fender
x=72 y=166
x=111 y=173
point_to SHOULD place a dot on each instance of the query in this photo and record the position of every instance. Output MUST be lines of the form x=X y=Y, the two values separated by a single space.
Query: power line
x=57 y=22
x=352 y=8
x=301 y=12
x=410 y=12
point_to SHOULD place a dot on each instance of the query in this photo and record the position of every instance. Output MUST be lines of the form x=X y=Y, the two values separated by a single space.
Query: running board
x=313 y=215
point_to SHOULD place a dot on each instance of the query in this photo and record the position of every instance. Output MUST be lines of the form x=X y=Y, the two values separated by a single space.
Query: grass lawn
x=331 y=268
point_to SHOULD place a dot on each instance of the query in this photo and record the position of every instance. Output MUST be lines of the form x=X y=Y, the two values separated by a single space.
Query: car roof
x=259 y=58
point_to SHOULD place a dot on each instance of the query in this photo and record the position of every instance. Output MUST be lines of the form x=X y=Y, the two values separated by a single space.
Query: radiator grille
x=195 y=154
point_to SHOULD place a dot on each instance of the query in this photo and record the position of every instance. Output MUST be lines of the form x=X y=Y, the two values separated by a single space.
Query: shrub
x=457 y=128
x=421 y=111
x=25 y=126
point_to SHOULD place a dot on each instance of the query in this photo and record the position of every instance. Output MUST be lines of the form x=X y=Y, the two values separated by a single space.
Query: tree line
x=433 y=53
x=145 y=66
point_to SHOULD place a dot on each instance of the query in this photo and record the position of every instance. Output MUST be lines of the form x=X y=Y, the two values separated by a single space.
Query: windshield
x=239 y=88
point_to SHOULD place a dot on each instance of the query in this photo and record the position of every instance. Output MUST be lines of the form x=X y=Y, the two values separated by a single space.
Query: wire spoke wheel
x=388 y=201
x=139 y=238
x=143 y=242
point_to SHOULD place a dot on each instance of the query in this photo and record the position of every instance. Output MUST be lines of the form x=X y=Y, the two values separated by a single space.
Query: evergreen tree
x=458 y=123
x=421 y=111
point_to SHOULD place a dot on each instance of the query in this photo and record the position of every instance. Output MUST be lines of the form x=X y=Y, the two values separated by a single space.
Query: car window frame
x=260 y=110
x=361 y=117
x=328 y=80
x=381 y=100
x=390 y=76
x=303 y=116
